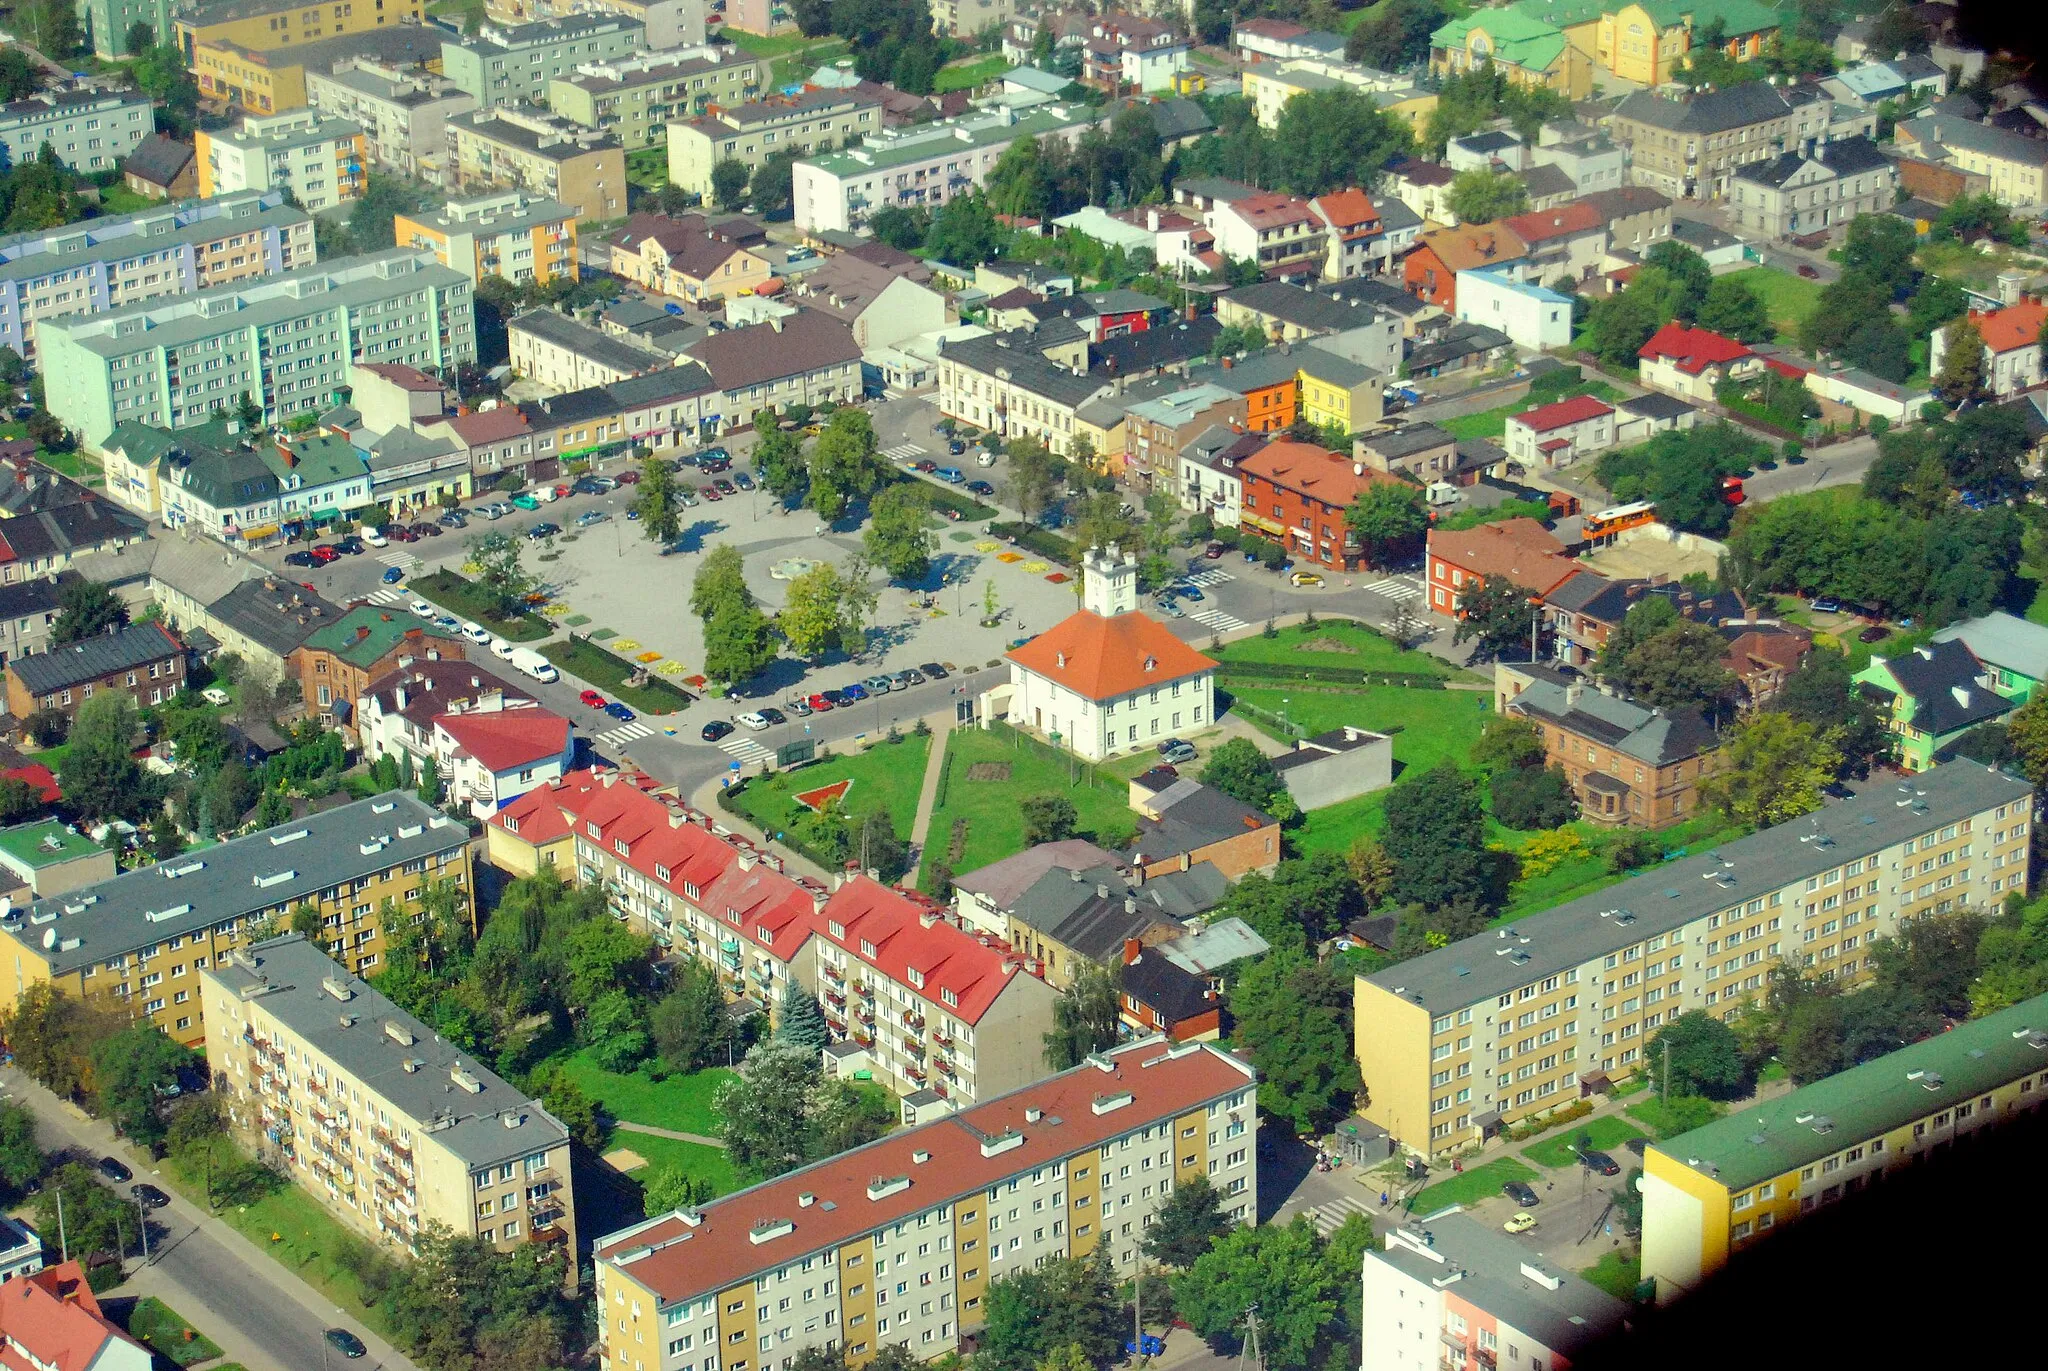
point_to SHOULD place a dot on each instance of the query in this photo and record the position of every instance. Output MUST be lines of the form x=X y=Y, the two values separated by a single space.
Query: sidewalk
x=928 y=794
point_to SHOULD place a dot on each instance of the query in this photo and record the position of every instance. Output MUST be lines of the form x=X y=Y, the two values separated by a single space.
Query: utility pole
x=1138 y=1310
x=1257 y=1359
x=63 y=1242
x=142 y=1222
x=1664 y=1095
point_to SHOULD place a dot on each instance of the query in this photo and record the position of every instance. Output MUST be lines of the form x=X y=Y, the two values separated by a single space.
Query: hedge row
x=1041 y=541
x=1251 y=672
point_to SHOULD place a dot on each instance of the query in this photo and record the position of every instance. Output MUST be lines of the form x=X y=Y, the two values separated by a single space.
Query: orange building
x=1269 y=380
x=1521 y=551
x=1299 y=493
x=1431 y=271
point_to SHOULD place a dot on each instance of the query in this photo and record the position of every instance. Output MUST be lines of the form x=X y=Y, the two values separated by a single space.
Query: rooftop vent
x=383 y=806
x=2033 y=1037
x=400 y=1034
x=1002 y=1143
x=468 y=1080
x=274 y=878
x=1929 y=1080
x=337 y=987
x=920 y=1157
x=882 y=1187
x=280 y=839
x=768 y=1230
x=1105 y=1104
x=182 y=869
x=159 y=915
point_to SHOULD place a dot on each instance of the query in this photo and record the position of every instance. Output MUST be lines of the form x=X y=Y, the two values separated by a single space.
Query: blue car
x=620 y=712
x=854 y=692
x=950 y=475
x=392 y=576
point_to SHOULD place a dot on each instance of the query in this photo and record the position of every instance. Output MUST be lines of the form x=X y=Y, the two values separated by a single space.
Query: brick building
x=1298 y=494
x=142 y=661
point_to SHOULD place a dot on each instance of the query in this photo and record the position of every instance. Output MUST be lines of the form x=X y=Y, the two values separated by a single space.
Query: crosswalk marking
x=1329 y=1217
x=903 y=452
x=744 y=749
x=399 y=557
x=1218 y=620
x=1212 y=576
x=1395 y=588
x=389 y=595
x=624 y=733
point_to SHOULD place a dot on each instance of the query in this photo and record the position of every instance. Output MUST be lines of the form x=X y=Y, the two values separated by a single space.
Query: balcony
x=834 y=974
x=913 y=1020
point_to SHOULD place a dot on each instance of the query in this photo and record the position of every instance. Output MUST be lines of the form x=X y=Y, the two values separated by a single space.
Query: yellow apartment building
x=390 y=1126
x=507 y=235
x=1507 y=1025
x=272 y=80
x=1711 y=1194
x=144 y=938
x=264 y=25
x=541 y=155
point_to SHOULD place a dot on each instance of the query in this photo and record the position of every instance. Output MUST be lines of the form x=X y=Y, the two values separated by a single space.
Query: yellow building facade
x=261 y=27
x=507 y=235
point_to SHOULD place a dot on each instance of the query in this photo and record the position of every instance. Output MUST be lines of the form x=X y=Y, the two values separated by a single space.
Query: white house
x=1555 y=435
x=1108 y=678
x=1534 y=316
x=2012 y=345
x=1872 y=395
x=490 y=742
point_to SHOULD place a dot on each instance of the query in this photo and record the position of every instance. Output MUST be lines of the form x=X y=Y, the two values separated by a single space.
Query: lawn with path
x=1012 y=771
x=609 y=672
x=695 y=1159
x=1789 y=298
x=156 y=1324
x=681 y=1102
x=1337 y=643
x=1492 y=423
x=1649 y=1111
x=1561 y=1148
x=887 y=776
x=1471 y=1185
x=966 y=75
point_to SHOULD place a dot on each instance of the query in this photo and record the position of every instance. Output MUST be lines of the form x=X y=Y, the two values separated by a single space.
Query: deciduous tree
x=1294 y=1020
x=898 y=537
x=1482 y=195
x=1496 y=614
x=1240 y=770
x=1277 y=1268
x=1187 y=1225
x=86 y=609
x=1772 y=767
x=1387 y=518
x=1704 y=1056
x=1084 y=1019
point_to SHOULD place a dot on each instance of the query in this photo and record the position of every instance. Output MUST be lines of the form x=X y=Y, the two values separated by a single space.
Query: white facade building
x=1534 y=316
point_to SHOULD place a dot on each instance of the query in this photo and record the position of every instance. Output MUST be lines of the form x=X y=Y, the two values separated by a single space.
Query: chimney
x=1132 y=949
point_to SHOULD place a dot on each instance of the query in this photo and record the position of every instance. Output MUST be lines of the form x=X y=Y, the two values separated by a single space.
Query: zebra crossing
x=744 y=749
x=1396 y=588
x=1210 y=576
x=388 y=595
x=399 y=557
x=1219 y=620
x=1328 y=1217
x=903 y=452
x=623 y=734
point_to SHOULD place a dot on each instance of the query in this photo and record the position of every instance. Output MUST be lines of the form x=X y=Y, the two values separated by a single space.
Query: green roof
x=1518 y=40
x=1868 y=1101
x=322 y=459
x=362 y=636
x=1737 y=16
x=942 y=139
x=43 y=843
x=1562 y=13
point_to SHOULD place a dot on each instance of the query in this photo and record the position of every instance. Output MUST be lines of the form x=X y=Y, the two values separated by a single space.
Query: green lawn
x=968 y=75
x=1338 y=643
x=461 y=597
x=1582 y=877
x=758 y=45
x=153 y=1322
x=119 y=199
x=1492 y=423
x=1789 y=298
x=1561 y=1148
x=1471 y=1185
x=609 y=672
x=1968 y=266
x=1619 y=1272
x=887 y=776
x=648 y=168
x=680 y=1102
x=995 y=822
x=706 y=1163
x=1650 y=1112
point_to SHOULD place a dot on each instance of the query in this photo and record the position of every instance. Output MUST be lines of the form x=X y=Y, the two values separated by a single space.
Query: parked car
x=587 y=485
x=393 y=575
x=775 y=717
x=986 y=459
x=754 y=721
x=725 y=487
x=1179 y=751
x=422 y=608
x=1214 y=550
x=501 y=648
x=114 y=1169
x=710 y=492
x=799 y=705
x=837 y=699
x=816 y=704
x=352 y=545
x=714 y=460
x=853 y=690
x=591 y=516
x=742 y=480
x=1876 y=633
x=1304 y=578
x=374 y=538
x=476 y=633
x=149 y=1195
x=621 y=711
x=1520 y=1222
x=981 y=487
x=1599 y=1163
x=454 y=518
x=306 y=559
x=428 y=530
x=629 y=478
x=951 y=475
x=524 y=501
x=543 y=529
x=925 y=466
x=687 y=496
x=715 y=730
x=592 y=698
x=1189 y=592
x=1807 y=271
x=1165 y=605
x=1825 y=604
x=1522 y=1193
x=934 y=670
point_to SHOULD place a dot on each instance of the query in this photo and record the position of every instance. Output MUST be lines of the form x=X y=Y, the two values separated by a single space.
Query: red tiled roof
x=1542 y=225
x=404 y=377
x=53 y=1316
x=505 y=739
x=543 y=815
x=39 y=776
x=1346 y=210
x=2015 y=326
x=908 y=936
x=1308 y=470
x=1576 y=410
x=1103 y=658
x=489 y=426
x=1268 y=28
x=1519 y=550
x=1695 y=349
x=1272 y=209
x=1474 y=245
x=828 y=1204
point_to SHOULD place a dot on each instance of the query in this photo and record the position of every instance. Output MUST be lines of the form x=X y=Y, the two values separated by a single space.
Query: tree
x=659 y=503
x=1035 y=473
x=843 y=464
x=721 y=580
x=614 y=1031
x=964 y=232
x=1705 y=1059
x=1034 y=1312
x=1279 y=1268
x=1387 y=517
x=671 y=1189
x=739 y=643
x=802 y=1022
x=1327 y=139
x=812 y=615
x=1508 y=741
x=1677 y=667
x=1481 y=195
x=1881 y=247
x=729 y=183
x=1084 y=1020
x=1294 y=1020
x=899 y=228
x=1241 y=771
x=1187 y=1225
x=1822 y=694
x=1772 y=768
x=1435 y=835
x=1961 y=376
x=898 y=538
x=95 y=1219
x=1732 y=309
x=101 y=777
x=1687 y=272
x=689 y=1024
x=21 y=1161
x=2026 y=733
x=1533 y=797
x=774 y=182
x=1620 y=324
x=1304 y=901
x=86 y=609
x=1936 y=302
x=763 y=1109
x=1394 y=35
x=499 y=574
x=1981 y=450
x=1048 y=819
x=1497 y=613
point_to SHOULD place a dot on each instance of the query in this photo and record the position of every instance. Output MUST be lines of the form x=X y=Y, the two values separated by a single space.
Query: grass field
x=1574 y=879
x=464 y=600
x=1561 y=1148
x=1789 y=298
x=1618 y=1273
x=119 y=199
x=682 y=1103
x=887 y=776
x=1339 y=643
x=153 y=1322
x=995 y=823
x=968 y=75
x=707 y=1163
x=1471 y=1185
x=587 y=661
x=1649 y=1111
x=1492 y=423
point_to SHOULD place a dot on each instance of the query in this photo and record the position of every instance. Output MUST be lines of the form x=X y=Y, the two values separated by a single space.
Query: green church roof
x=1514 y=38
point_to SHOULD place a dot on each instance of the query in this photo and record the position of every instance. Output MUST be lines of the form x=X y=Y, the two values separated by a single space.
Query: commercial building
x=1712 y=1194
x=108 y=263
x=1519 y=551
x=390 y=1125
x=1628 y=763
x=403 y=112
x=801 y=358
x=814 y=121
x=89 y=130
x=144 y=936
x=1055 y=1169
x=1298 y=494
x=1694 y=147
x=636 y=98
x=2012 y=345
x=554 y=350
x=140 y=661
x=1157 y=430
x=276 y=80
x=513 y=64
x=548 y=157
x=1526 y=49
x=261 y=25
x=1107 y=678
x=50 y=857
x=1509 y=1024
x=508 y=235
x=316 y=160
x=1812 y=190
x=337 y=664
x=286 y=341
x=1476 y=1297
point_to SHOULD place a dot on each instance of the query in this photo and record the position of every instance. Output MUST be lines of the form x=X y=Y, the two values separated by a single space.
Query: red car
x=399 y=533
x=561 y=491
x=324 y=554
x=592 y=698
x=629 y=478
x=709 y=492
x=819 y=704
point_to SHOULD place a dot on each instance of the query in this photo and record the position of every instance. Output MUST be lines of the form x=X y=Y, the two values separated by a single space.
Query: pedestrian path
x=623 y=734
x=1329 y=1216
x=1219 y=620
x=742 y=748
x=903 y=452
x=1212 y=576
x=651 y=1131
x=928 y=793
x=1396 y=588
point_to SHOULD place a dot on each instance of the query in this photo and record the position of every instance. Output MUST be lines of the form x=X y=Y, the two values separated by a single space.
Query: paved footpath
x=928 y=795
x=651 y=1131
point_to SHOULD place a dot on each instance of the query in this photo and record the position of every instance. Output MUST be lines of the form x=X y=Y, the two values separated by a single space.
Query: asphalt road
x=261 y=1314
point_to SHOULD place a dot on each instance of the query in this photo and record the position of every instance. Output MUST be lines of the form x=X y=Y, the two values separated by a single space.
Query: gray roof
x=1192 y=816
x=1653 y=406
x=275 y=615
x=1253 y=371
x=1220 y=188
x=1407 y=441
x=1670 y=896
x=1494 y=141
x=1698 y=234
x=1982 y=139
x=1366 y=290
x=291 y=978
x=91 y=658
x=1028 y=370
x=586 y=342
x=1002 y=882
x=1094 y=911
x=1459 y=340
x=157 y=159
x=1492 y=1275
x=1396 y=216
x=1941 y=679
x=1714 y=111
x=1305 y=308
x=1217 y=946
x=1843 y=157
x=1655 y=736
x=1546 y=179
x=222 y=884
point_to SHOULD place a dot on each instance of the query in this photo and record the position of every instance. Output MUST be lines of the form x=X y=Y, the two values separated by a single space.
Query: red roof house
x=1691 y=362
x=1560 y=433
x=1520 y=551
x=49 y=1321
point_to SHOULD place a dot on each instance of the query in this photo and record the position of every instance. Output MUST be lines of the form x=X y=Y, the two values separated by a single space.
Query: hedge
x=1252 y=672
x=582 y=658
x=1041 y=541
x=968 y=507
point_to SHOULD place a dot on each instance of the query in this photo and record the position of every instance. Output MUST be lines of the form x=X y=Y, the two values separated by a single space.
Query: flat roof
x=30 y=255
x=1672 y=895
x=946 y=139
x=46 y=842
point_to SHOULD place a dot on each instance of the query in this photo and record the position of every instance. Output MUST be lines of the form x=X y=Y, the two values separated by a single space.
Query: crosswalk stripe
x=903 y=452
x=744 y=749
x=1218 y=620
x=398 y=557
x=1394 y=588
x=624 y=733
x=1214 y=576
x=386 y=596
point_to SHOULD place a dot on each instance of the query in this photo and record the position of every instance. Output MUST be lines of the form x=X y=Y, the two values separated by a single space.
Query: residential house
x=805 y=358
x=1269 y=380
x=691 y=258
x=1182 y=823
x=1176 y=990
x=549 y=157
x=28 y=611
x=1637 y=217
x=1122 y=53
x=161 y=168
x=1694 y=147
x=498 y=441
x=553 y=350
x=1298 y=494
x=1559 y=434
x=1643 y=417
x=1274 y=231
x=1211 y=474
x=1564 y=244
x=320 y=478
x=1175 y=240
x=1337 y=390
x=490 y=741
x=1359 y=239
x=982 y=898
x=1012 y=385
x=2012 y=651
x=1069 y=922
x=2012 y=346
x=1691 y=363
x=1519 y=551
x=881 y=308
x=1814 y=190
x=49 y=1317
x=1931 y=696
x=1762 y=656
x=1422 y=452
x=1424 y=187
x=2014 y=165
x=140 y=661
x=1535 y=317
x=1628 y=764
x=1430 y=273
x=1583 y=613
x=1290 y=313
x=212 y=477
x=337 y=662
x=262 y=620
x=1158 y=430
x=49 y=857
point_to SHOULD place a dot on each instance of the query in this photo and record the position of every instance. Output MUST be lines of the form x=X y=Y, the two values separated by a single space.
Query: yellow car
x=1305 y=578
x=1520 y=1223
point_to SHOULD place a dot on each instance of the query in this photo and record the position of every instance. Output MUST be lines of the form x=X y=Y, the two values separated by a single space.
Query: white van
x=535 y=665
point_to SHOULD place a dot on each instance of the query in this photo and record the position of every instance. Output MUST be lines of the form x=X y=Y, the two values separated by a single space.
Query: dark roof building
x=761 y=354
x=92 y=659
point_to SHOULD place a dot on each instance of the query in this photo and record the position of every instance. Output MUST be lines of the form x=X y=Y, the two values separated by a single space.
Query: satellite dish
x=49 y=938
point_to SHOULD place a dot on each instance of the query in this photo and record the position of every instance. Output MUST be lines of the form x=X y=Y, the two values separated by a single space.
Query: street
x=261 y=1315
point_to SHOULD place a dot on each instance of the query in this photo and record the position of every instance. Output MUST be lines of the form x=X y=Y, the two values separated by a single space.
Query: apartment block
x=261 y=25
x=109 y=263
x=403 y=112
x=1507 y=1025
x=318 y=160
x=145 y=936
x=815 y=121
x=512 y=64
x=1712 y=1194
x=286 y=341
x=276 y=80
x=506 y=235
x=543 y=155
x=89 y=130
x=107 y=23
x=636 y=98
x=373 y=1112
x=898 y=1241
